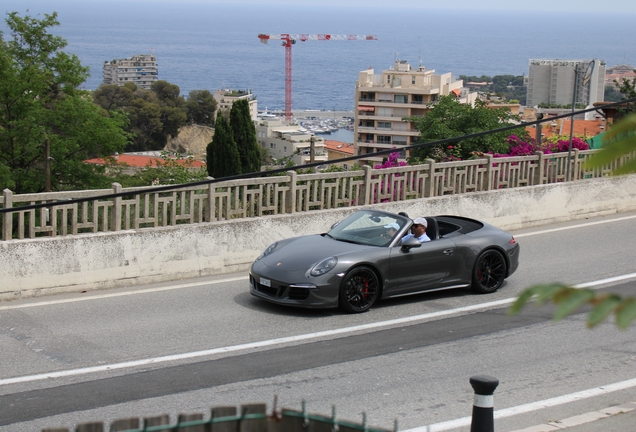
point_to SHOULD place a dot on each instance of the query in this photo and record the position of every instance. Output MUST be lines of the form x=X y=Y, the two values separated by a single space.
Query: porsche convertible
x=366 y=258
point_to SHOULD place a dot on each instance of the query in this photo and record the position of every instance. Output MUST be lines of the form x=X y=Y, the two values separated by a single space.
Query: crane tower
x=287 y=41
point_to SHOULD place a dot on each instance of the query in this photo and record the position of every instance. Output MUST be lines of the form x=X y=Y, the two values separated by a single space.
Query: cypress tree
x=245 y=136
x=223 y=155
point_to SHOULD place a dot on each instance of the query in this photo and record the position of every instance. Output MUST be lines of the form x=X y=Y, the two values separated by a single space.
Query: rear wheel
x=359 y=290
x=489 y=272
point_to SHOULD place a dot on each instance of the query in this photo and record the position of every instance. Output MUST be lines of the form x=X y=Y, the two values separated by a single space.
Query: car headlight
x=323 y=266
x=267 y=251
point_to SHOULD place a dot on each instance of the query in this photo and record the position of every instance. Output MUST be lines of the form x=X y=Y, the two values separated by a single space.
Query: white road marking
x=121 y=294
x=288 y=339
x=583 y=225
x=533 y=406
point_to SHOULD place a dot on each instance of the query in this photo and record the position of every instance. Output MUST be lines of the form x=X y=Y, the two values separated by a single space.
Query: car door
x=430 y=266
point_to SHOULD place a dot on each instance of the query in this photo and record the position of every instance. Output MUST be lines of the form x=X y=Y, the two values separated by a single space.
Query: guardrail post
x=7 y=218
x=429 y=187
x=290 y=201
x=483 y=412
x=366 y=189
x=490 y=181
x=539 y=174
x=576 y=165
x=209 y=207
x=115 y=221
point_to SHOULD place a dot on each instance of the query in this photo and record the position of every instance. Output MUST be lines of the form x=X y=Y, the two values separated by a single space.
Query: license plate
x=266 y=282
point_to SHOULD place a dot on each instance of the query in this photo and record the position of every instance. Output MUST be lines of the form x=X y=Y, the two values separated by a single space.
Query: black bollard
x=483 y=411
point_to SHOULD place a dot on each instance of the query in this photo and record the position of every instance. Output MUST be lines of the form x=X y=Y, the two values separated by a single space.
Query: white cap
x=420 y=221
x=392 y=225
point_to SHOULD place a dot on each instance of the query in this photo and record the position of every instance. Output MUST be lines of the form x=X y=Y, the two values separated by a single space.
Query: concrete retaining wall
x=95 y=261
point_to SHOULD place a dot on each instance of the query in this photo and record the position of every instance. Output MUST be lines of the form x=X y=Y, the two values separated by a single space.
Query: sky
x=615 y=6
x=622 y=6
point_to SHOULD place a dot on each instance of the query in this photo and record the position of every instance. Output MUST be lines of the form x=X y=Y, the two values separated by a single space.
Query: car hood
x=301 y=253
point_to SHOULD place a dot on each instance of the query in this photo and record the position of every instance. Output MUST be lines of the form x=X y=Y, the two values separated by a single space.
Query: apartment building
x=140 y=69
x=383 y=100
x=286 y=142
x=226 y=97
x=554 y=82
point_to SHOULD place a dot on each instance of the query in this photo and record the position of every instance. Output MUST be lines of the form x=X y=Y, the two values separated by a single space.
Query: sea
x=208 y=46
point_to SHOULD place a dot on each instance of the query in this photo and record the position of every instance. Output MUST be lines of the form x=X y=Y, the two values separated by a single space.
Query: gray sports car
x=364 y=258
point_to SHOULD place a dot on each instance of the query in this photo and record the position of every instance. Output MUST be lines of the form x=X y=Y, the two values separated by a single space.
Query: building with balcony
x=140 y=69
x=383 y=101
x=553 y=82
x=226 y=97
x=286 y=142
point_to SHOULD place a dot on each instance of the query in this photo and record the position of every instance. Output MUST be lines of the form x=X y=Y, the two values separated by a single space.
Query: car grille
x=280 y=290
x=298 y=293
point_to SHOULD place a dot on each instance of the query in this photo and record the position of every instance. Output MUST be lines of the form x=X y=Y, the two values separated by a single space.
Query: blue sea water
x=208 y=46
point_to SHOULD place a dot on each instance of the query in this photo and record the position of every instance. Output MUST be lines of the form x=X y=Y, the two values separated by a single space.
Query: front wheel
x=359 y=290
x=489 y=272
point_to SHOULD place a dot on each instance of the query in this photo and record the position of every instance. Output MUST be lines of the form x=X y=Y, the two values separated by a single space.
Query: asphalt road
x=189 y=345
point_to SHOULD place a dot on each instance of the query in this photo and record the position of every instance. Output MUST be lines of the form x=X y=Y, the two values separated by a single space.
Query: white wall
x=96 y=261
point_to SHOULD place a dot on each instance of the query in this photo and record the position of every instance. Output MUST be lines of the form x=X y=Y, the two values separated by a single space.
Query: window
x=413 y=79
x=388 y=79
x=384 y=139
x=272 y=145
x=384 y=125
x=400 y=98
x=385 y=112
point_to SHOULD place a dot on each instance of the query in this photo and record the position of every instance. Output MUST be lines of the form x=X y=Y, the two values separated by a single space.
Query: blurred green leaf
x=602 y=309
x=619 y=141
x=572 y=300
x=626 y=313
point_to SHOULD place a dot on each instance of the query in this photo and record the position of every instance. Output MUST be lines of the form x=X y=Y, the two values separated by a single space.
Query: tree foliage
x=449 y=118
x=158 y=113
x=200 y=107
x=245 y=136
x=40 y=102
x=222 y=153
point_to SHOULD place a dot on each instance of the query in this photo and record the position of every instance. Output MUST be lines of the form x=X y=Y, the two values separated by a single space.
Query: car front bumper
x=318 y=293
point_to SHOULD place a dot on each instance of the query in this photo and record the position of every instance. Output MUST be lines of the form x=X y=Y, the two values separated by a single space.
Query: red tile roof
x=339 y=146
x=582 y=128
x=142 y=161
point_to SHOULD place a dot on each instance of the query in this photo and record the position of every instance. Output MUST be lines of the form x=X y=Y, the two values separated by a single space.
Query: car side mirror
x=410 y=243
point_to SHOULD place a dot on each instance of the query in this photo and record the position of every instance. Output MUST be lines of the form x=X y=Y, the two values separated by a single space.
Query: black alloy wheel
x=489 y=272
x=360 y=290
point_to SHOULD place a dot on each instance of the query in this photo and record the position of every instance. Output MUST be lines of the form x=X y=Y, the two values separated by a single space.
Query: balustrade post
x=210 y=205
x=366 y=188
x=7 y=218
x=490 y=170
x=576 y=165
x=290 y=201
x=540 y=173
x=429 y=187
x=115 y=221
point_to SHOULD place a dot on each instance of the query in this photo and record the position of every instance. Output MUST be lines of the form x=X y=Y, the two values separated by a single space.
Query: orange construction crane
x=288 y=41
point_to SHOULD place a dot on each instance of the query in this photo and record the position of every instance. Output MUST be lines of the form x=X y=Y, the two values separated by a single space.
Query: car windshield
x=369 y=227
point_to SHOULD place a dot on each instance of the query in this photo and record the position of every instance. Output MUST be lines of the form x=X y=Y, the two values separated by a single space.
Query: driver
x=418 y=230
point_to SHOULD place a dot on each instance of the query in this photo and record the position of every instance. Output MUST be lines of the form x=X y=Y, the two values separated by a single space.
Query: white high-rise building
x=140 y=69
x=553 y=82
